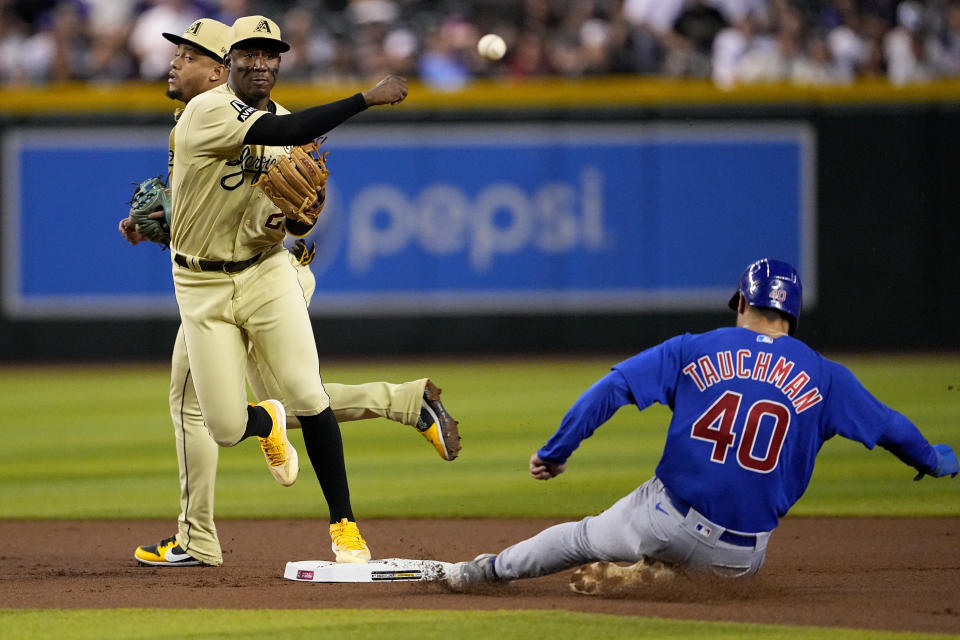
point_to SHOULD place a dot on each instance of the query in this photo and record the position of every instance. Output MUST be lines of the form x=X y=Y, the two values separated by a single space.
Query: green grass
x=178 y=624
x=92 y=442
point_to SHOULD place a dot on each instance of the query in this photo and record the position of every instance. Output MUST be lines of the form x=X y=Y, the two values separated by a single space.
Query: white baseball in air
x=491 y=47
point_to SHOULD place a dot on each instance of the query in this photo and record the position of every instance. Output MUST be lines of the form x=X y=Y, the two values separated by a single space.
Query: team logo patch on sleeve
x=243 y=111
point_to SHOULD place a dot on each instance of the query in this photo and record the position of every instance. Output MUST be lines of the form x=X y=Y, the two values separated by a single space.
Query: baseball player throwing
x=197 y=67
x=235 y=285
x=752 y=406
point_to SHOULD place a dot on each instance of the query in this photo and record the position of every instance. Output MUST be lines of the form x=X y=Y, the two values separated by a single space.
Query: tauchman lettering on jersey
x=706 y=371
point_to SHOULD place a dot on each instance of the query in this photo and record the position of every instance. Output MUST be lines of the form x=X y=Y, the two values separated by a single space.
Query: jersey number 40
x=716 y=425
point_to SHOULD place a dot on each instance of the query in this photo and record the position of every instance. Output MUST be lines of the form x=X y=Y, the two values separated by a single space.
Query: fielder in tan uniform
x=416 y=403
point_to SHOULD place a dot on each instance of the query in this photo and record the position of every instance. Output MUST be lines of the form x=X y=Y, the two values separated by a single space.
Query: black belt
x=738 y=539
x=216 y=265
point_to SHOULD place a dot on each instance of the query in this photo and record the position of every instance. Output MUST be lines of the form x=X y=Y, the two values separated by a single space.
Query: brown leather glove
x=297 y=183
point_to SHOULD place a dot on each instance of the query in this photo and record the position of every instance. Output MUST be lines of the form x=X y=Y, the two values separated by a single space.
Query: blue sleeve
x=905 y=441
x=854 y=413
x=592 y=409
x=652 y=374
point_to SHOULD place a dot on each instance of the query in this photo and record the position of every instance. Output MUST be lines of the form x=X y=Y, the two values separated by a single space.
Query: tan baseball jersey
x=197 y=452
x=219 y=217
x=176 y=118
x=216 y=215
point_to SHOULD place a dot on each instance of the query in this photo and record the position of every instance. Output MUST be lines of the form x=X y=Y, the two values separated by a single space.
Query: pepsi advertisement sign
x=467 y=218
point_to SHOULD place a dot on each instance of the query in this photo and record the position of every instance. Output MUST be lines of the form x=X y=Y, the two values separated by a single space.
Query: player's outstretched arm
x=542 y=470
x=304 y=126
x=947 y=464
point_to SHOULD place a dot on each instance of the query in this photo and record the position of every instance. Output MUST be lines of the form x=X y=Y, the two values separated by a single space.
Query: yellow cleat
x=281 y=457
x=348 y=544
x=436 y=425
x=166 y=553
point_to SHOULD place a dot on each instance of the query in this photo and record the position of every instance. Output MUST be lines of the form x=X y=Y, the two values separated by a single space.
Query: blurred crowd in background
x=732 y=42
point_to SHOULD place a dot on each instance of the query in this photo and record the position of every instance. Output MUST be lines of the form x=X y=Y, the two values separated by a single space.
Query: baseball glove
x=297 y=183
x=149 y=197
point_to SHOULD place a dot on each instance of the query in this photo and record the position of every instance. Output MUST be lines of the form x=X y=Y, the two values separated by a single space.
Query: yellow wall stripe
x=611 y=92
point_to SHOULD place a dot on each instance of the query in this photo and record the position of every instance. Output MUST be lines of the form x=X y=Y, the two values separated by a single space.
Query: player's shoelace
x=347 y=536
x=165 y=543
x=274 y=449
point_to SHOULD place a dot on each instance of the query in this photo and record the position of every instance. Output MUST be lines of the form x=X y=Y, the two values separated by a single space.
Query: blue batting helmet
x=772 y=284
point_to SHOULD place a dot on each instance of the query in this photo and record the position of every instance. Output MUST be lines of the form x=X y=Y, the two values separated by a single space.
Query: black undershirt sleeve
x=303 y=126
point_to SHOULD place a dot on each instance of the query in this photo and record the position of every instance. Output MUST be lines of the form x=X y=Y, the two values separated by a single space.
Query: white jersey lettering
x=705 y=372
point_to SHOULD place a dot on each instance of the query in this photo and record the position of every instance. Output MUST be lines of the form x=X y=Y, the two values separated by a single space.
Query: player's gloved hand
x=128 y=229
x=947 y=464
x=130 y=233
x=542 y=470
x=296 y=184
x=150 y=210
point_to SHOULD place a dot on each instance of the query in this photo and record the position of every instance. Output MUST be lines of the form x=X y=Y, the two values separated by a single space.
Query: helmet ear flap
x=734 y=302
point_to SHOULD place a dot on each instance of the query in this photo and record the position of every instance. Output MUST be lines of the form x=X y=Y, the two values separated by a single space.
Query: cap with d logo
x=209 y=35
x=257 y=31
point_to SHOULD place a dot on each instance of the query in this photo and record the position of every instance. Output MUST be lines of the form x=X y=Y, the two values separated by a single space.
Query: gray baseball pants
x=644 y=524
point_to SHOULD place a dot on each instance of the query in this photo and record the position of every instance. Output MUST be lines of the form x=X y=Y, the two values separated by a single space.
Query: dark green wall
x=889 y=228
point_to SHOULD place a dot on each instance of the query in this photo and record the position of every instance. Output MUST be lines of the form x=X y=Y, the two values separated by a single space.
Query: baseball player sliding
x=257 y=304
x=752 y=406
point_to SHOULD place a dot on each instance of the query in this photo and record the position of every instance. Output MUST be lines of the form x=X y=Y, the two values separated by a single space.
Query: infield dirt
x=870 y=573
